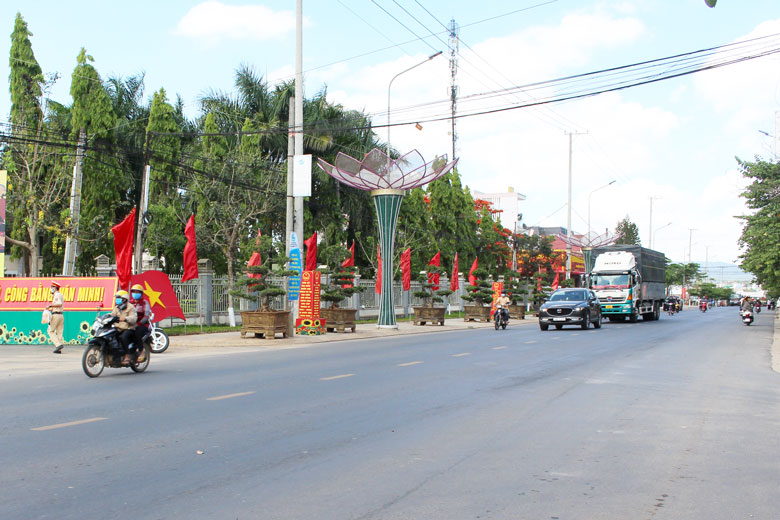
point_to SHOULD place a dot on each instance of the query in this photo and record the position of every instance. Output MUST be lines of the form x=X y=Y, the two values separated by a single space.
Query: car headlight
x=579 y=308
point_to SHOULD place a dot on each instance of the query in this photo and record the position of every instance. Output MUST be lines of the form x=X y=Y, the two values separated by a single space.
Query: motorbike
x=104 y=349
x=747 y=317
x=501 y=317
x=160 y=340
x=703 y=307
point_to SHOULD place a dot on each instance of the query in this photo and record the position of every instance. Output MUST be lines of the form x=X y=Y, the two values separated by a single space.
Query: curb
x=775 y=349
x=233 y=339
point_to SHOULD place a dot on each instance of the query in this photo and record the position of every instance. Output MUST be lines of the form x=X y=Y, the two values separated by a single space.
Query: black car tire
x=597 y=323
x=585 y=321
x=543 y=326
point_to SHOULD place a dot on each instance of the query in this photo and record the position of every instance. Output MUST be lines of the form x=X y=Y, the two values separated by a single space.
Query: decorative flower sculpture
x=387 y=179
x=377 y=171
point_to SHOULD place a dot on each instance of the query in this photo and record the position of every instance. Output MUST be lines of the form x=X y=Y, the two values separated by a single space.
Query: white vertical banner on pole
x=302 y=175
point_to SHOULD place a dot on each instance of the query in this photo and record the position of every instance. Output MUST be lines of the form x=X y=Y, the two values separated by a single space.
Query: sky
x=671 y=144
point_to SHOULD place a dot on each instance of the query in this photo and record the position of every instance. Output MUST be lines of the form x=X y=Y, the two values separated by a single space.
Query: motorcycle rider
x=504 y=302
x=125 y=311
x=144 y=311
x=746 y=304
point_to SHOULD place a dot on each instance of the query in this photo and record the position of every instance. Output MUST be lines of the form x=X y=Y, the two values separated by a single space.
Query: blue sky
x=675 y=140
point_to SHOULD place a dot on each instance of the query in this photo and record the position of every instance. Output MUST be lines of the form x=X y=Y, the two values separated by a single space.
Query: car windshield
x=609 y=281
x=568 y=296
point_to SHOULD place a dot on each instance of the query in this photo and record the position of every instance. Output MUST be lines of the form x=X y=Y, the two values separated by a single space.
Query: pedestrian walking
x=57 y=320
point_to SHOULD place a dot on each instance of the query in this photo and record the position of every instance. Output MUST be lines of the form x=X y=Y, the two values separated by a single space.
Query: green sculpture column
x=387 y=203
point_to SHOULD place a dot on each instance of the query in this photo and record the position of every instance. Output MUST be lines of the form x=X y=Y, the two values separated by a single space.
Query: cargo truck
x=629 y=281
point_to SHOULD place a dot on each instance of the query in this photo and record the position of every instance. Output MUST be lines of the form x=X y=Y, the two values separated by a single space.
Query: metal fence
x=366 y=301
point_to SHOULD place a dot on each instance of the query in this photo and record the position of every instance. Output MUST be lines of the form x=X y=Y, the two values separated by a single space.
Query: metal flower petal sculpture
x=386 y=179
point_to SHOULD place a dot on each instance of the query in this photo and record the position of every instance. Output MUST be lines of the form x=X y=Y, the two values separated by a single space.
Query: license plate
x=559 y=319
x=609 y=306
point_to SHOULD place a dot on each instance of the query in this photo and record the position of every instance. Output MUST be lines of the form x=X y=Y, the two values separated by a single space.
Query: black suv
x=571 y=307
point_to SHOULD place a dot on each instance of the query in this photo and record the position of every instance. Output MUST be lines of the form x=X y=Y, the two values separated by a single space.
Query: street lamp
x=429 y=58
x=589 y=195
x=656 y=231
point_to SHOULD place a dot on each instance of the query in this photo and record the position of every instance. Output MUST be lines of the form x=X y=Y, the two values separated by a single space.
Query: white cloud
x=215 y=21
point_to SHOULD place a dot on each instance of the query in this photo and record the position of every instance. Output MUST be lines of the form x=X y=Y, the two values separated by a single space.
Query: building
x=507 y=204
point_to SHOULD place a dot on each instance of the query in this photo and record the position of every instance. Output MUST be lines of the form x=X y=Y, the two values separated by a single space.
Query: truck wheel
x=633 y=318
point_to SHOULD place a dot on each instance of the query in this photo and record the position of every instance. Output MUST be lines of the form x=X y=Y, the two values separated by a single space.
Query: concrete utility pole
x=298 y=203
x=72 y=243
x=143 y=207
x=453 y=80
x=650 y=227
x=568 y=217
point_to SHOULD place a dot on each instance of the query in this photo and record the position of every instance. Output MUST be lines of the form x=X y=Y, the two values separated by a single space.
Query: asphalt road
x=676 y=419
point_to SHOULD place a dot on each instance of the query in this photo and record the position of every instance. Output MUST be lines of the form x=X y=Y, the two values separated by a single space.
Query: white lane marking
x=66 y=424
x=530 y=342
x=331 y=378
x=410 y=363
x=462 y=354
x=499 y=348
x=228 y=396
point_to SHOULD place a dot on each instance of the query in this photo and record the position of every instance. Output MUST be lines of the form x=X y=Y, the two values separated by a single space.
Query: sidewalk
x=364 y=331
x=25 y=360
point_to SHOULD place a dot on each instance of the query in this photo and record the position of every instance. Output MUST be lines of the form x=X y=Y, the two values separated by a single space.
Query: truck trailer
x=629 y=281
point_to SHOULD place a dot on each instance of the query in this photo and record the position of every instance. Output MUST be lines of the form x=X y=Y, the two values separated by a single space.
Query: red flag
x=434 y=277
x=123 y=249
x=159 y=291
x=406 y=269
x=555 y=282
x=454 y=282
x=190 y=252
x=311 y=252
x=255 y=259
x=378 y=287
x=472 y=278
x=350 y=262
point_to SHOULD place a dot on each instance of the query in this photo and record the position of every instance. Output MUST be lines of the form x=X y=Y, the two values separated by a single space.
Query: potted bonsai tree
x=515 y=288
x=257 y=286
x=430 y=295
x=341 y=285
x=481 y=295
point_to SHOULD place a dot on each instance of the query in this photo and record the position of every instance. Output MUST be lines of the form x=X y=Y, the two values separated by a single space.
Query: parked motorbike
x=105 y=350
x=747 y=317
x=160 y=340
x=501 y=317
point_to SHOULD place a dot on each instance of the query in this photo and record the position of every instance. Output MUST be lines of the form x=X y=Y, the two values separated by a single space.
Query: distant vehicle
x=629 y=281
x=571 y=307
x=672 y=305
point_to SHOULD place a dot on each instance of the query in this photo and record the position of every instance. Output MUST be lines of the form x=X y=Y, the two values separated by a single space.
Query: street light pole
x=659 y=229
x=589 y=195
x=388 y=99
x=568 y=219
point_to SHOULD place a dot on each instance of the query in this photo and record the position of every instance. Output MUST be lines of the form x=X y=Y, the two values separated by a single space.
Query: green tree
x=761 y=232
x=36 y=173
x=627 y=232
x=105 y=186
x=676 y=274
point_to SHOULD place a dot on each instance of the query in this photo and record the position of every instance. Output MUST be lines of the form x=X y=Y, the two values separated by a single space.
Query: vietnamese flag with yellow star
x=159 y=291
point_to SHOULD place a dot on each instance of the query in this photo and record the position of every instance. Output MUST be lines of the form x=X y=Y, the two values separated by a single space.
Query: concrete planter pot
x=338 y=319
x=476 y=313
x=264 y=323
x=434 y=315
x=516 y=311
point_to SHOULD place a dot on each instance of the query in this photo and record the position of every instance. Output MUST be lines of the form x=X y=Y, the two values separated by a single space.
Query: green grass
x=179 y=330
